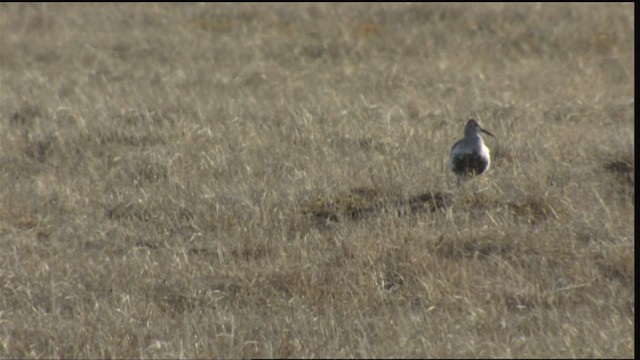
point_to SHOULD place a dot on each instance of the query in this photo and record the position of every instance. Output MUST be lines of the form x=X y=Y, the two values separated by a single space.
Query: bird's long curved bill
x=488 y=133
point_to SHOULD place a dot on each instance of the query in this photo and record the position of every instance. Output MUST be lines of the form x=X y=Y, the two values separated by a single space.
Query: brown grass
x=224 y=181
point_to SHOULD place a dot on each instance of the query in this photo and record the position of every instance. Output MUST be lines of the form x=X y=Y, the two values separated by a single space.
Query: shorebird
x=470 y=156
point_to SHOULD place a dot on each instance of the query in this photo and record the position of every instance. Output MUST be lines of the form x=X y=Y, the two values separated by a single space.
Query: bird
x=470 y=156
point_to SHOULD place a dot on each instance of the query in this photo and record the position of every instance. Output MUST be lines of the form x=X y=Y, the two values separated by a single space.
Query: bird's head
x=473 y=128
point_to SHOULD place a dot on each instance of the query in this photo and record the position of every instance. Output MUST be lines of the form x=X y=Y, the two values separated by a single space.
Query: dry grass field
x=242 y=180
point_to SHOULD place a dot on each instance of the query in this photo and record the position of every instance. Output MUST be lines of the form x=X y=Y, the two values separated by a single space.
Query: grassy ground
x=270 y=181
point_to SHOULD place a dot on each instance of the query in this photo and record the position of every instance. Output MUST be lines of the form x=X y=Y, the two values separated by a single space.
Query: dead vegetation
x=234 y=180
